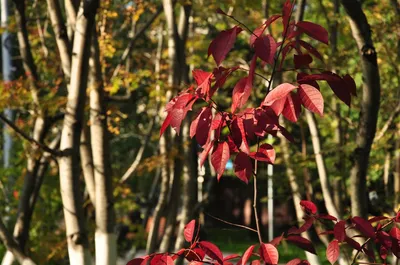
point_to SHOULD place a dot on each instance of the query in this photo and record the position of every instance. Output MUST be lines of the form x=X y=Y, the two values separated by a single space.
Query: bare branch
x=128 y=49
x=388 y=123
x=27 y=137
x=13 y=246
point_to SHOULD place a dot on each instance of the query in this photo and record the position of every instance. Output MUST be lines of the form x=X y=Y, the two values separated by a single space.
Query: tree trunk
x=12 y=246
x=77 y=238
x=87 y=164
x=319 y=159
x=369 y=107
x=152 y=239
x=105 y=238
x=294 y=187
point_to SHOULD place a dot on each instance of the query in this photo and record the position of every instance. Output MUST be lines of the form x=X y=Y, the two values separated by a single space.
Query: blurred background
x=140 y=54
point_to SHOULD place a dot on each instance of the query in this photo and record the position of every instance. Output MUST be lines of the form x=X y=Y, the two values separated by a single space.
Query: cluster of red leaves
x=249 y=125
x=385 y=237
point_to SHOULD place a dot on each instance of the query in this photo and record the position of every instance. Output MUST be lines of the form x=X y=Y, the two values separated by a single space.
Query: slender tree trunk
x=105 y=238
x=152 y=239
x=87 y=164
x=76 y=232
x=13 y=246
x=319 y=159
x=369 y=107
x=293 y=182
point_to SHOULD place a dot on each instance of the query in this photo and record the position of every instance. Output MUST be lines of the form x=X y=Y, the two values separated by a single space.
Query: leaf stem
x=233 y=224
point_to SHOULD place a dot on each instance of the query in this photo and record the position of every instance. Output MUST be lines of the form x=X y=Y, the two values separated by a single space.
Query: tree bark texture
x=105 y=238
x=369 y=106
x=76 y=232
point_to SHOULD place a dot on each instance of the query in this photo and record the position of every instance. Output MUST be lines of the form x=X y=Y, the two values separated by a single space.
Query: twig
x=388 y=123
x=255 y=194
x=233 y=224
x=27 y=137
x=128 y=49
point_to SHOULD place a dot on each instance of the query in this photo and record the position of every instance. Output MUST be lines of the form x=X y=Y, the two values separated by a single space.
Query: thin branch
x=255 y=194
x=388 y=123
x=139 y=154
x=128 y=49
x=27 y=137
x=233 y=224
x=12 y=246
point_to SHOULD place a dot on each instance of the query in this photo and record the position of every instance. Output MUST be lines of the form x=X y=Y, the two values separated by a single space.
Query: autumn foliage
x=232 y=133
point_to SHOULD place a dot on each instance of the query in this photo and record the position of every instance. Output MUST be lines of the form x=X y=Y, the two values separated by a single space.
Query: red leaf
x=395 y=232
x=232 y=256
x=352 y=243
x=275 y=242
x=287 y=8
x=385 y=239
x=350 y=84
x=243 y=167
x=212 y=251
x=136 y=261
x=309 y=207
x=295 y=261
x=292 y=107
x=265 y=48
x=240 y=94
x=260 y=30
x=383 y=252
x=278 y=105
x=165 y=124
x=223 y=43
x=327 y=217
x=311 y=98
x=203 y=80
x=303 y=228
x=247 y=254
x=310 y=49
x=257 y=33
x=265 y=153
x=339 y=231
x=219 y=11
x=278 y=92
x=333 y=251
x=302 y=243
x=377 y=219
x=189 y=230
x=302 y=60
x=203 y=156
x=220 y=157
x=364 y=226
x=162 y=259
x=313 y=30
x=203 y=126
x=269 y=253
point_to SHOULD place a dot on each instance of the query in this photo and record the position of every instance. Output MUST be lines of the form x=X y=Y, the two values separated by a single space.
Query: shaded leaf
x=212 y=251
x=223 y=43
x=265 y=48
x=243 y=167
x=339 y=231
x=364 y=226
x=302 y=243
x=313 y=30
